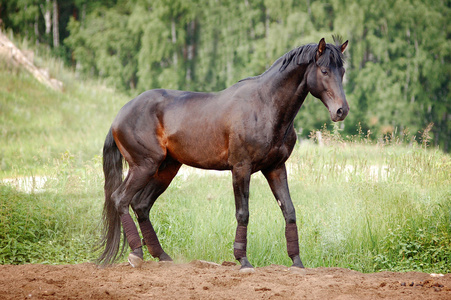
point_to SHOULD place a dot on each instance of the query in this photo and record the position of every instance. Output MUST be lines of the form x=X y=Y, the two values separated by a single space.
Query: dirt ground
x=205 y=280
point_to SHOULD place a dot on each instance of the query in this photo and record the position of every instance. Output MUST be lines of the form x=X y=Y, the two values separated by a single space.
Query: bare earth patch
x=204 y=280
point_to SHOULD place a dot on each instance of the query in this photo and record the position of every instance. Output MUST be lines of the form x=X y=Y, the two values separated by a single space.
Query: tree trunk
x=268 y=54
x=56 y=34
x=191 y=40
x=36 y=28
x=45 y=9
x=83 y=15
x=174 y=41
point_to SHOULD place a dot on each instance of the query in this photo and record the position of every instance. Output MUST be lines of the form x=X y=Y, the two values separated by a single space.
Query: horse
x=245 y=128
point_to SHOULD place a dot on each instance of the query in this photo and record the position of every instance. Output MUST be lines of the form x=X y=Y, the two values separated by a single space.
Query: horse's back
x=153 y=104
x=204 y=130
x=188 y=126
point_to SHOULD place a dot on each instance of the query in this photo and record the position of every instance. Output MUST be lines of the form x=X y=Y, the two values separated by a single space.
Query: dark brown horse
x=245 y=128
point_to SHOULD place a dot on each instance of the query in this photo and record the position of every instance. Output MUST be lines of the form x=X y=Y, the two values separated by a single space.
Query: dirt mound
x=14 y=55
x=204 y=280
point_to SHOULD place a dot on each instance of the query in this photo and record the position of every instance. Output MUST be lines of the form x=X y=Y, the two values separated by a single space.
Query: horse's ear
x=321 y=47
x=343 y=47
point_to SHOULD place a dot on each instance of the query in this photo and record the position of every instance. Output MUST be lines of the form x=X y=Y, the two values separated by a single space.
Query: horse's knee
x=290 y=219
x=242 y=217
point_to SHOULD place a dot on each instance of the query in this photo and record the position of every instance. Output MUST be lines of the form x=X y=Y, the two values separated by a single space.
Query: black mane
x=305 y=55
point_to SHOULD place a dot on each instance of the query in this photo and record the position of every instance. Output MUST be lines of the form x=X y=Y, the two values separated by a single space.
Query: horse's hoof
x=135 y=261
x=246 y=266
x=164 y=257
x=297 y=270
x=247 y=270
x=297 y=263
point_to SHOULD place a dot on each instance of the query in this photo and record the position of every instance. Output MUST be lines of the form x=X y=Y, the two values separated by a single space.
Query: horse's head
x=325 y=79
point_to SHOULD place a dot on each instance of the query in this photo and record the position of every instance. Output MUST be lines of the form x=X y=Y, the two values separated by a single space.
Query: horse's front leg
x=277 y=179
x=241 y=175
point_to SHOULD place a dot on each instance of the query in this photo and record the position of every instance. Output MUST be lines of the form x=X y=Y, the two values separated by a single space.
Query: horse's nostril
x=340 y=112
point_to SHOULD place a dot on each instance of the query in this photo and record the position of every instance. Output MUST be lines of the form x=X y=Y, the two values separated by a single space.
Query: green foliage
x=51 y=227
x=419 y=249
x=106 y=47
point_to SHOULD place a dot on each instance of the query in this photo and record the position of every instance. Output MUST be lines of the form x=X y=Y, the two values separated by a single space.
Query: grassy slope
x=367 y=207
x=38 y=125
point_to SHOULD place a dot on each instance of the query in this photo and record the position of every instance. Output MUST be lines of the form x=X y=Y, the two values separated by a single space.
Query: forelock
x=332 y=57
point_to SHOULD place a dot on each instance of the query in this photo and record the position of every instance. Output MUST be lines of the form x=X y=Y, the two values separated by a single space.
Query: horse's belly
x=200 y=154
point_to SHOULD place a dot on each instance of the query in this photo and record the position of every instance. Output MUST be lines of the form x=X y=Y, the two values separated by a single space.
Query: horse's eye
x=324 y=71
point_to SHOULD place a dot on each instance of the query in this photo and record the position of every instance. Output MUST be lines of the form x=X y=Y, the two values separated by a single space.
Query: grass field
x=363 y=205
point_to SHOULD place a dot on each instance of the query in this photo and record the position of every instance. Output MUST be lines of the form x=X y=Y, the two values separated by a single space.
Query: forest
x=398 y=73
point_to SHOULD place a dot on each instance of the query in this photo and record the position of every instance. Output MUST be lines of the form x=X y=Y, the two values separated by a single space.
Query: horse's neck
x=286 y=91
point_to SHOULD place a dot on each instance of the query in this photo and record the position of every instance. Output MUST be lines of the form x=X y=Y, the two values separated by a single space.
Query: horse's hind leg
x=143 y=202
x=136 y=180
x=144 y=162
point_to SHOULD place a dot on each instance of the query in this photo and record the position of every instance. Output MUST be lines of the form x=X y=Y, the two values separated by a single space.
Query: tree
x=106 y=47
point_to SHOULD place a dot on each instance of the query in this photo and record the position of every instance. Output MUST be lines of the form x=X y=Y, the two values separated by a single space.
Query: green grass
x=350 y=219
x=38 y=125
x=360 y=205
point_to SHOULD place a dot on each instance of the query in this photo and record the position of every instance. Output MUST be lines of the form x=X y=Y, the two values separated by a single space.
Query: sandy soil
x=204 y=280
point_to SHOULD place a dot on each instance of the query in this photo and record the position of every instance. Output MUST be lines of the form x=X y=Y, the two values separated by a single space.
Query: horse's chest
x=276 y=152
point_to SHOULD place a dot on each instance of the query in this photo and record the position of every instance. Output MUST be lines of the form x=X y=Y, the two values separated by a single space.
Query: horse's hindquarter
x=137 y=131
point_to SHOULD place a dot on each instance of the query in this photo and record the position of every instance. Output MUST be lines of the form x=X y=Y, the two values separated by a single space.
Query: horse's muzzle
x=340 y=114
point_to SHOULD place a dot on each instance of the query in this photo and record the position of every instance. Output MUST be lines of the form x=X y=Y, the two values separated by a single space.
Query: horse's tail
x=111 y=233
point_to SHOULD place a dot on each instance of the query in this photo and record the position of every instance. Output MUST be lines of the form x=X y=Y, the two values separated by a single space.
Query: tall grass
x=364 y=207
x=361 y=205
